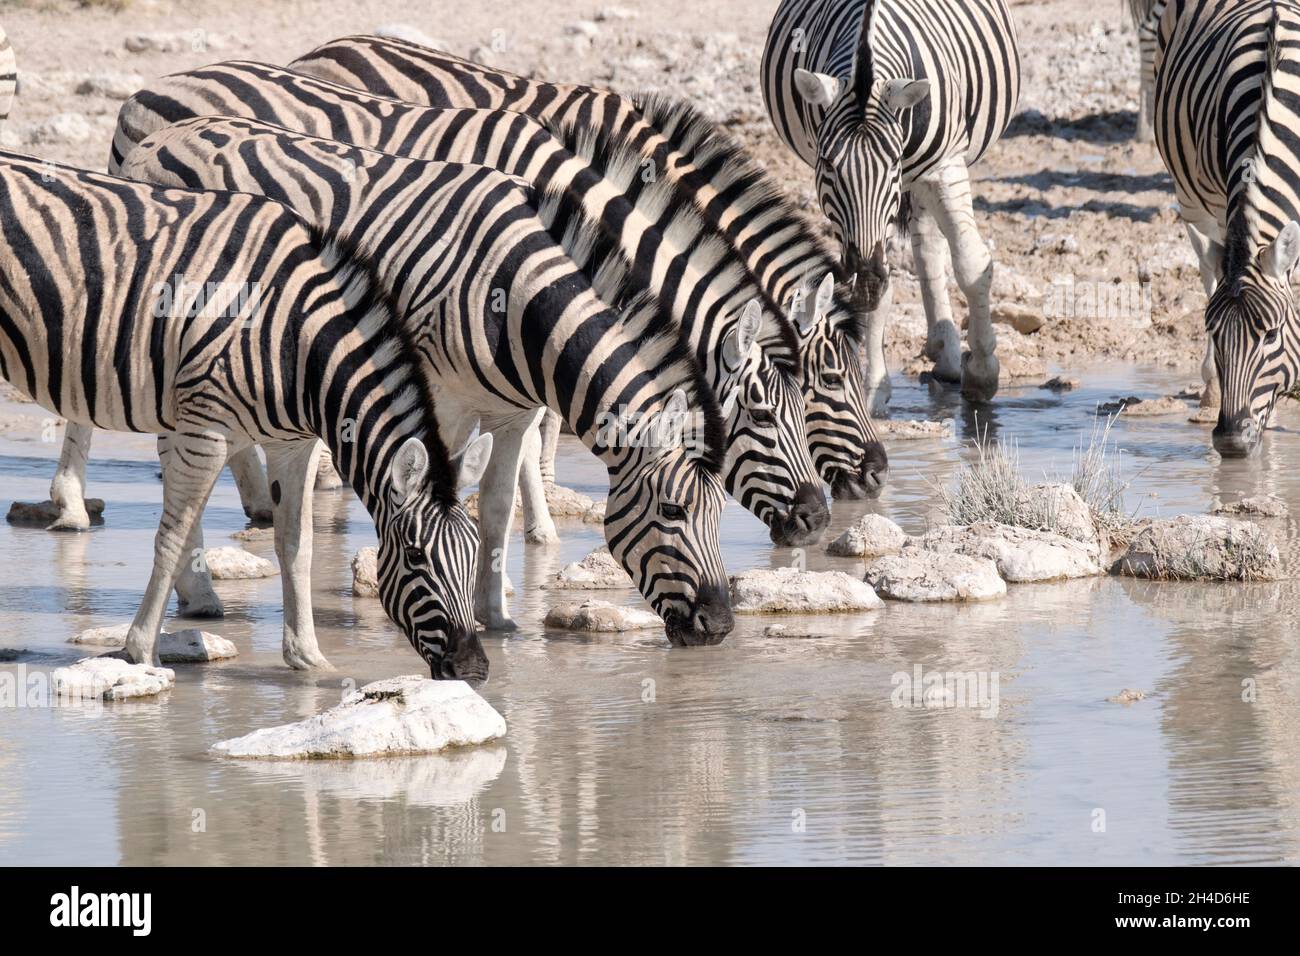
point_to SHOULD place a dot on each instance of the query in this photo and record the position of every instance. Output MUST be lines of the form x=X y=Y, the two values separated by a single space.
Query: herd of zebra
x=370 y=253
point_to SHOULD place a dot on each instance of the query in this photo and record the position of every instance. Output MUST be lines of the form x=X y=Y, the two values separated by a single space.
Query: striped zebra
x=735 y=196
x=885 y=98
x=1145 y=18
x=1226 y=120
x=700 y=280
x=8 y=77
x=471 y=264
x=216 y=320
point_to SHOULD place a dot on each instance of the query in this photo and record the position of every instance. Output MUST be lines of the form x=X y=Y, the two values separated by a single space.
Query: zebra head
x=1252 y=322
x=428 y=549
x=661 y=524
x=767 y=468
x=847 y=454
x=858 y=172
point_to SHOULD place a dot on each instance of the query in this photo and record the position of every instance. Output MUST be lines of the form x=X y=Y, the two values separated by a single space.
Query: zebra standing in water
x=1227 y=118
x=708 y=168
x=891 y=97
x=424 y=224
x=1145 y=15
x=216 y=320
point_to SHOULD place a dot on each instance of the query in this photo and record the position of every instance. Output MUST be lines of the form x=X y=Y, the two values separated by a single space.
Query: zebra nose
x=806 y=519
x=875 y=468
x=1237 y=437
x=464 y=659
x=870 y=275
x=712 y=620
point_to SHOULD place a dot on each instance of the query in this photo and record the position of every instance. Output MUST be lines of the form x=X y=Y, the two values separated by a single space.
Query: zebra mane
x=657 y=334
x=365 y=295
x=863 y=64
x=734 y=172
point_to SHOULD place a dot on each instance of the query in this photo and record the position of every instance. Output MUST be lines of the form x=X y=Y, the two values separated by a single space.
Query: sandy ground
x=1067 y=198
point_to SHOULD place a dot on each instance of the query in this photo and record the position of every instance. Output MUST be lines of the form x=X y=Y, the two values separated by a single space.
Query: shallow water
x=622 y=750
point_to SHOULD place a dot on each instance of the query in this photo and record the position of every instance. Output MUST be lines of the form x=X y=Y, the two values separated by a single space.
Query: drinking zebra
x=710 y=169
x=216 y=320
x=471 y=265
x=1227 y=102
x=886 y=98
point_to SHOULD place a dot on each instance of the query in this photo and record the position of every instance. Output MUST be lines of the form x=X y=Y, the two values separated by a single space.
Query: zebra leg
x=250 y=479
x=327 y=476
x=68 y=487
x=291 y=465
x=496 y=511
x=930 y=250
x=973 y=266
x=194 y=594
x=876 y=372
x=191 y=463
x=1148 y=32
x=1209 y=254
x=539 y=526
x=548 y=430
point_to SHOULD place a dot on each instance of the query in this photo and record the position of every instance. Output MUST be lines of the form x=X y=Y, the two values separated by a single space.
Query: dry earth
x=1065 y=197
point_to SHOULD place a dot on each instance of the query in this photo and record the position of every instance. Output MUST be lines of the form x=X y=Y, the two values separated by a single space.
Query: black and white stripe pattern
x=287 y=342
x=708 y=168
x=471 y=265
x=1145 y=16
x=1227 y=118
x=885 y=97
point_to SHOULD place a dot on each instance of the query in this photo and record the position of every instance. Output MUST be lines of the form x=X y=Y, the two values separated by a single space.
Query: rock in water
x=401 y=715
x=869 y=537
x=189 y=646
x=791 y=591
x=1021 y=555
x=564 y=502
x=1201 y=548
x=911 y=430
x=1261 y=506
x=596 y=571
x=365 y=573
x=916 y=575
x=236 y=564
x=1061 y=508
x=111 y=679
x=599 y=617
x=44 y=512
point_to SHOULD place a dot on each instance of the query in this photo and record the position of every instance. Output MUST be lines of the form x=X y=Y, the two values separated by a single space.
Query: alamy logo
x=133 y=910
x=180 y=298
x=977 y=690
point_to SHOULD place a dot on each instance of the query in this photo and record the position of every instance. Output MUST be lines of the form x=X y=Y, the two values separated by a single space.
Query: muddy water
x=622 y=750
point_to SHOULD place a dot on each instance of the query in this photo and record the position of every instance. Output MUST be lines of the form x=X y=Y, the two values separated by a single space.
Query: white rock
x=595 y=514
x=181 y=41
x=597 y=570
x=916 y=575
x=1201 y=547
x=616 y=13
x=787 y=633
x=1262 y=506
x=61 y=128
x=365 y=573
x=869 y=537
x=111 y=679
x=115 y=86
x=902 y=429
x=585 y=28
x=564 y=502
x=1021 y=555
x=599 y=616
x=188 y=646
x=791 y=591
x=1065 y=512
x=236 y=564
x=404 y=31
x=401 y=715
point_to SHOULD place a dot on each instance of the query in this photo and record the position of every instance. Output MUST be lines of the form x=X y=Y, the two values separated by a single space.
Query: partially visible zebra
x=506 y=322
x=1145 y=16
x=710 y=169
x=1226 y=122
x=8 y=77
x=216 y=320
x=890 y=97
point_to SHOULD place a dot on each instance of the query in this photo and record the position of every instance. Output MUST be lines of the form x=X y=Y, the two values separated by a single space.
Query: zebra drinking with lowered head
x=893 y=98
x=1227 y=118
x=216 y=320
x=736 y=198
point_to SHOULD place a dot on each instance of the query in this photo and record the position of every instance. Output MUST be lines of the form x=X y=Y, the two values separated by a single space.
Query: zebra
x=769 y=469
x=733 y=193
x=1227 y=103
x=893 y=98
x=215 y=320
x=446 y=238
x=1146 y=20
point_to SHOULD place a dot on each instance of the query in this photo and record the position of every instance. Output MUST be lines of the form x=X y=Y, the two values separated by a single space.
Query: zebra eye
x=1271 y=335
x=414 y=555
x=833 y=379
x=672 y=512
x=761 y=416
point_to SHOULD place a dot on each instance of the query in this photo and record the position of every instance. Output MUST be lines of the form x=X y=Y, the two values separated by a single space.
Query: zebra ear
x=410 y=468
x=473 y=461
x=903 y=94
x=672 y=423
x=1280 y=258
x=825 y=296
x=743 y=337
x=817 y=88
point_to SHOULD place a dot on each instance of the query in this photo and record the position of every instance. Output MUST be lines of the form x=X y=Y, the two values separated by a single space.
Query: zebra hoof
x=979 y=377
x=306 y=659
x=541 y=535
x=70 y=521
x=499 y=622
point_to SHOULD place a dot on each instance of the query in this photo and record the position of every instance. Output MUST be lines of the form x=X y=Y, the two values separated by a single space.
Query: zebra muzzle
x=804 y=522
x=1237 y=437
x=464 y=659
